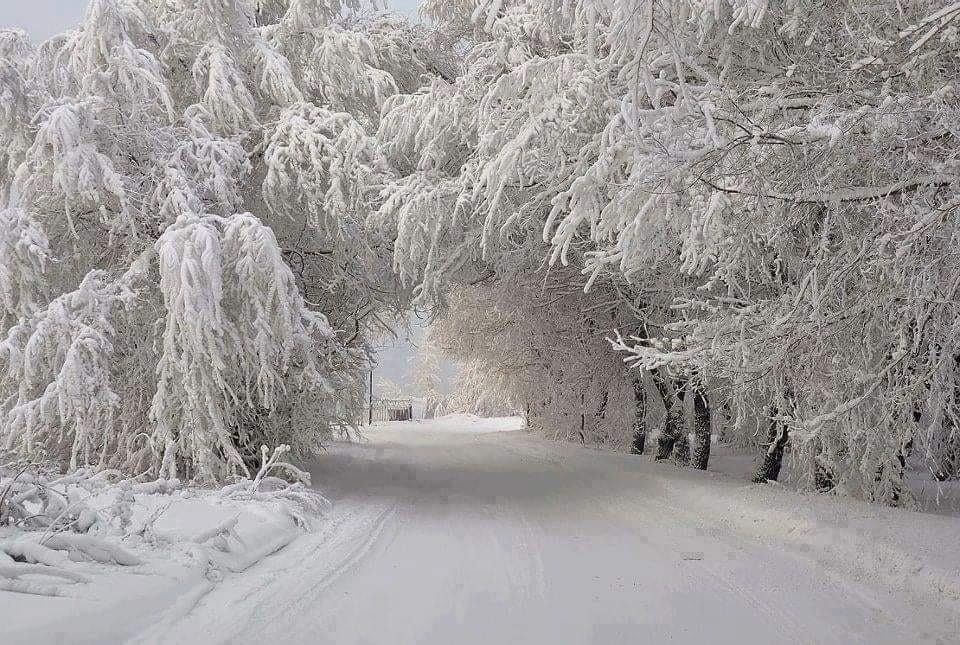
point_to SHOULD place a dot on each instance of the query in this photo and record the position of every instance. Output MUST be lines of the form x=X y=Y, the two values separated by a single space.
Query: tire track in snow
x=264 y=614
x=529 y=540
x=505 y=539
x=288 y=583
x=306 y=548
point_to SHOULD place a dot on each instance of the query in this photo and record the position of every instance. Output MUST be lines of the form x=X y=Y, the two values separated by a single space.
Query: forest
x=640 y=224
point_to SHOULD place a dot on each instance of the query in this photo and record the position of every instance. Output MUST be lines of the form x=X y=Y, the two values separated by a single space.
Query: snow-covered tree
x=772 y=185
x=481 y=158
x=807 y=158
x=424 y=379
x=186 y=271
x=207 y=206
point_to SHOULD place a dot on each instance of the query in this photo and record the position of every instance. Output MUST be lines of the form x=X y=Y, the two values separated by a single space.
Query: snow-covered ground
x=174 y=545
x=462 y=530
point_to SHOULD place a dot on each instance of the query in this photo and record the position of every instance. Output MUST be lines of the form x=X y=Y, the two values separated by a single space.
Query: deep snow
x=180 y=542
x=463 y=530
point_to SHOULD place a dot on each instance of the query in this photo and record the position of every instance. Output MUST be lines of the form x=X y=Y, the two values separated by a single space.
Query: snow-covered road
x=449 y=533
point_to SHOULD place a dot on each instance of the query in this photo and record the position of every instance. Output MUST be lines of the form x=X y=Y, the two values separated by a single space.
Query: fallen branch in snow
x=157 y=487
x=31 y=588
x=220 y=531
x=300 y=502
x=84 y=547
x=54 y=520
x=145 y=526
x=19 y=569
x=21 y=557
x=23 y=550
x=24 y=556
x=8 y=488
x=34 y=500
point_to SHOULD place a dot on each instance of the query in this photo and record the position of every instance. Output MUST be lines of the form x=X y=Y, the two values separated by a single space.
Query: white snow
x=184 y=543
x=461 y=422
x=465 y=530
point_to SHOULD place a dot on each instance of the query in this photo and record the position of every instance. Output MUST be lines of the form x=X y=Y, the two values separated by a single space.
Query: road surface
x=452 y=534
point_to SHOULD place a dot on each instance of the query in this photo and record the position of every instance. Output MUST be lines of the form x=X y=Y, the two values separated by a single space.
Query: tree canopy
x=620 y=213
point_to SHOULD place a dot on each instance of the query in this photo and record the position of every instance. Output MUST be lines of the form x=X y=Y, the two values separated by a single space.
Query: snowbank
x=913 y=552
x=151 y=550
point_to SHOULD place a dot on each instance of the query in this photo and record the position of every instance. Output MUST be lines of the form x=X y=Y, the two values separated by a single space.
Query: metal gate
x=391 y=410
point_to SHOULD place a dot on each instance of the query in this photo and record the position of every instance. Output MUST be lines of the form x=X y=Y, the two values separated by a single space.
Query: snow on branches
x=321 y=162
x=24 y=253
x=60 y=531
x=755 y=202
x=770 y=187
x=148 y=321
x=57 y=373
x=236 y=329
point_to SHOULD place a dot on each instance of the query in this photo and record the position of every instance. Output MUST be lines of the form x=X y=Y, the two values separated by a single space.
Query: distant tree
x=424 y=380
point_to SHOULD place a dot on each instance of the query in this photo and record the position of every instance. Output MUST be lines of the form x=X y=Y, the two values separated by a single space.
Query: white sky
x=44 y=18
x=393 y=356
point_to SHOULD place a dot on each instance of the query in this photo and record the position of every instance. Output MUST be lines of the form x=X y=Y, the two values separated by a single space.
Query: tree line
x=627 y=219
x=755 y=203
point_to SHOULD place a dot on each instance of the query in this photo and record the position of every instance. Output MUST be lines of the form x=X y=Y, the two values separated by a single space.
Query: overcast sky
x=44 y=18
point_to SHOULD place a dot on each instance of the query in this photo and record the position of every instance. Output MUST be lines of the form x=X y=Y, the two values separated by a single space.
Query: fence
x=391 y=410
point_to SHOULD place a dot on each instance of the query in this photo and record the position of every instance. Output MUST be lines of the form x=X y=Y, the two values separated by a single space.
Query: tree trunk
x=673 y=426
x=947 y=454
x=777 y=436
x=701 y=428
x=583 y=437
x=896 y=490
x=726 y=415
x=681 y=447
x=640 y=417
x=947 y=461
x=823 y=479
x=599 y=417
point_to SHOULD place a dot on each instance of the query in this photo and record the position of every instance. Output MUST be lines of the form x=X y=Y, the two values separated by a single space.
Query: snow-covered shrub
x=47 y=523
x=52 y=525
x=272 y=484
